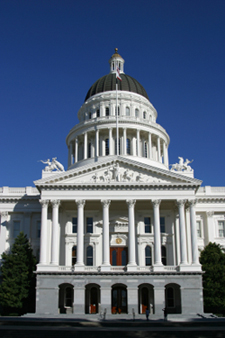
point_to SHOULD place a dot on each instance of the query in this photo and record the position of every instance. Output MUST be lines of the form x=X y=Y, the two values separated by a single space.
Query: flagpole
x=117 y=129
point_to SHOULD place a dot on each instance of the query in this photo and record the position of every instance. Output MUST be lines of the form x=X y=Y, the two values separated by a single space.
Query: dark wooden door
x=118 y=256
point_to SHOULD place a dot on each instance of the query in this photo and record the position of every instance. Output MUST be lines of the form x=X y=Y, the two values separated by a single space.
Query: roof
x=108 y=83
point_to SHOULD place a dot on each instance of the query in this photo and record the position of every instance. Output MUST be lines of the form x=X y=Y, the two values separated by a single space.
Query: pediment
x=117 y=171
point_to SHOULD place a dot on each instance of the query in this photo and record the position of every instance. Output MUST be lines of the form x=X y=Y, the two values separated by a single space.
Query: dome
x=108 y=83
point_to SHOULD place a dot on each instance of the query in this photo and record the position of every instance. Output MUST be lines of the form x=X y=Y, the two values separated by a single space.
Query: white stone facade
x=116 y=232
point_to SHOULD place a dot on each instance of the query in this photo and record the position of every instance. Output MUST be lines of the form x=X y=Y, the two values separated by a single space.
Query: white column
x=55 y=232
x=103 y=146
x=159 y=149
x=76 y=150
x=165 y=154
x=3 y=231
x=157 y=236
x=44 y=232
x=105 y=239
x=210 y=226
x=110 y=142
x=79 y=266
x=138 y=142
x=134 y=150
x=150 y=145
x=194 y=241
x=71 y=153
x=124 y=141
x=97 y=143
x=132 y=265
x=85 y=146
x=183 y=241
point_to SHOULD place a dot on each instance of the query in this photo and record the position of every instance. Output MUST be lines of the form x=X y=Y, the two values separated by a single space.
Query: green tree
x=17 y=290
x=212 y=259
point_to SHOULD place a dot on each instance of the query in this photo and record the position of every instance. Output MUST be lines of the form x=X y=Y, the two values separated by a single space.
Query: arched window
x=170 y=297
x=136 y=112
x=107 y=146
x=128 y=146
x=98 y=113
x=74 y=255
x=89 y=115
x=127 y=111
x=89 y=255
x=144 y=115
x=148 y=255
x=118 y=111
x=107 y=111
x=163 y=253
x=68 y=296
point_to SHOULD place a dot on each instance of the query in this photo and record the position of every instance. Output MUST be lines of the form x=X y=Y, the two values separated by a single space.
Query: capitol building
x=119 y=231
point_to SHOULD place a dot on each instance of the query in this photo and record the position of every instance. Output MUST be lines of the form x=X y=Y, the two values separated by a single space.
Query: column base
x=158 y=268
x=131 y=267
x=79 y=267
x=190 y=268
x=105 y=267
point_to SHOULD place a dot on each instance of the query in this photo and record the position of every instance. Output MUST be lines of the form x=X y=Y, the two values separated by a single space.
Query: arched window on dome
x=145 y=150
x=107 y=146
x=118 y=111
x=89 y=255
x=107 y=111
x=89 y=150
x=127 y=111
x=148 y=255
x=136 y=112
x=144 y=115
x=128 y=146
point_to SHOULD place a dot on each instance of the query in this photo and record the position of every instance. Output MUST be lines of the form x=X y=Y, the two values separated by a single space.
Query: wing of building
x=118 y=230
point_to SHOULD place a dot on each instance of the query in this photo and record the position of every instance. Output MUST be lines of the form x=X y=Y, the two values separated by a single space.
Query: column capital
x=80 y=203
x=181 y=203
x=156 y=203
x=44 y=203
x=209 y=213
x=55 y=203
x=131 y=203
x=106 y=203
x=192 y=203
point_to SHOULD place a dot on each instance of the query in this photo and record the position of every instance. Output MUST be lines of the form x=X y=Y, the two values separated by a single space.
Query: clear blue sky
x=52 y=51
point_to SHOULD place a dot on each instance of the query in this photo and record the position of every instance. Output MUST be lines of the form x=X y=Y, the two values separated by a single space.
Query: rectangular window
x=162 y=225
x=16 y=228
x=74 y=225
x=98 y=113
x=198 y=226
x=89 y=225
x=221 y=228
x=147 y=221
x=38 y=229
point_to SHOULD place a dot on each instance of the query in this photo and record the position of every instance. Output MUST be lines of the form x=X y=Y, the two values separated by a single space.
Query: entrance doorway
x=118 y=256
x=92 y=298
x=119 y=299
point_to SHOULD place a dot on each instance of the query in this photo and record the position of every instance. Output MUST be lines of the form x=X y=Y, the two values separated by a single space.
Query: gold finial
x=116 y=50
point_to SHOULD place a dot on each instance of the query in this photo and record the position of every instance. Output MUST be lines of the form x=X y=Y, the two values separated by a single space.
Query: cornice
x=90 y=125
x=211 y=200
